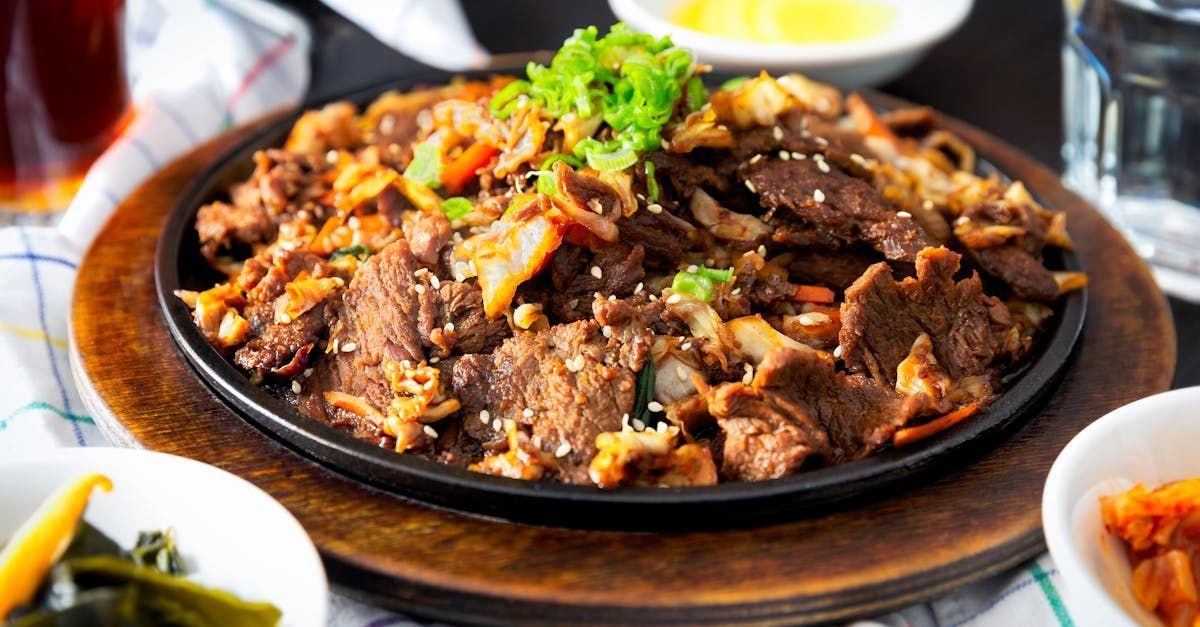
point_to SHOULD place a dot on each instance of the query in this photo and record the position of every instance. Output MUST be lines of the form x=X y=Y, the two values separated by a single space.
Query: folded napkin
x=198 y=67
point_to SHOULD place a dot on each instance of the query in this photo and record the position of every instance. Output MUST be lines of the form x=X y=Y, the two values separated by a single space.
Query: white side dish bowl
x=1152 y=441
x=231 y=535
x=919 y=25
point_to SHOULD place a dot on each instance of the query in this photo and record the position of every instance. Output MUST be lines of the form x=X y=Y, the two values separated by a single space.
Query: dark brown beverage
x=63 y=96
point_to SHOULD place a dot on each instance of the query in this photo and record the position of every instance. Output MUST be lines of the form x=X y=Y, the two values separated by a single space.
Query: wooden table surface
x=1000 y=72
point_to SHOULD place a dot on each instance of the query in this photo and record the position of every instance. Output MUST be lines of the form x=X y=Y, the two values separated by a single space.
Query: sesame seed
x=799 y=156
x=434 y=281
x=750 y=186
x=606 y=331
x=572 y=303
x=349 y=347
x=837 y=352
x=821 y=141
x=594 y=205
x=674 y=298
x=857 y=158
x=693 y=268
x=761 y=250
x=624 y=421
x=685 y=346
x=654 y=207
x=449 y=327
x=777 y=133
x=662 y=427
x=637 y=289
x=903 y=214
x=563 y=449
x=638 y=425
x=597 y=272
x=641 y=198
x=653 y=298
x=666 y=145
x=928 y=204
x=308 y=372
x=429 y=431
x=735 y=291
x=420 y=289
x=818 y=195
x=813 y=318
x=612 y=298
x=654 y=406
x=755 y=159
x=284 y=318
x=335 y=344
x=962 y=220
x=681 y=372
x=528 y=413
x=421 y=272
x=822 y=166
x=296 y=387
x=783 y=154
x=484 y=416
x=434 y=360
x=332 y=155
x=747 y=378
x=496 y=424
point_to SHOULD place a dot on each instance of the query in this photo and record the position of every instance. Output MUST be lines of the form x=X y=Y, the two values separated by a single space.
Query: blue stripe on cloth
x=41 y=305
x=142 y=148
x=999 y=599
x=43 y=406
x=35 y=257
x=179 y=121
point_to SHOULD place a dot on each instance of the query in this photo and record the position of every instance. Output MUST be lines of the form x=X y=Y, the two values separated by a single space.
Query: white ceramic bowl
x=1152 y=441
x=919 y=25
x=233 y=535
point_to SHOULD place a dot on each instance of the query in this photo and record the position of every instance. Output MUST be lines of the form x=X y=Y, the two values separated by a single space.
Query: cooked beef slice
x=219 y=225
x=767 y=435
x=911 y=121
x=1015 y=262
x=273 y=272
x=806 y=134
x=669 y=236
x=834 y=269
x=451 y=319
x=882 y=317
x=1023 y=273
x=847 y=210
x=280 y=342
x=568 y=383
x=379 y=318
x=684 y=175
x=427 y=234
x=574 y=282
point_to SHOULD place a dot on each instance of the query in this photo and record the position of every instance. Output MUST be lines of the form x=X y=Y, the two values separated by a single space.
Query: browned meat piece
x=279 y=343
x=819 y=195
x=803 y=133
x=669 y=236
x=684 y=175
x=574 y=281
x=566 y=384
x=285 y=266
x=451 y=318
x=766 y=434
x=1024 y=274
x=427 y=234
x=882 y=317
x=834 y=269
x=220 y=224
x=377 y=323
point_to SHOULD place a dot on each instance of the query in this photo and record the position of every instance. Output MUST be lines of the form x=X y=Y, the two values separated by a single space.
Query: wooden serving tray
x=857 y=560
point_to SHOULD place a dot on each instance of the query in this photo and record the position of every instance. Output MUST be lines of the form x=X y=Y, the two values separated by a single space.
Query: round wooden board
x=857 y=561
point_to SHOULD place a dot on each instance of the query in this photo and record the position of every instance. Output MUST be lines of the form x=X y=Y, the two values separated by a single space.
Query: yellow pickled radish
x=41 y=540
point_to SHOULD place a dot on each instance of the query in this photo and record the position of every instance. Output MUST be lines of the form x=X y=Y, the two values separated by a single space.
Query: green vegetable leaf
x=456 y=207
x=693 y=284
x=651 y=183
x=360 y=251
x=618 y=160
x=426 y=165
x=734 y=83
x=644 y=394
x=697 y=94
x=716 y=276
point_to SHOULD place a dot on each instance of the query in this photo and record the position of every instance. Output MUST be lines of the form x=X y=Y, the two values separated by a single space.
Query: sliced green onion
x=734 y=83
x=506 y=96
x=360 y=251
x=547 y=183
x=697 y=94
x=456 y=207
x=426 y=166
x=574 y=162
x=651 y=183
x=618 y=160
x=714 y=275
x=693 y=284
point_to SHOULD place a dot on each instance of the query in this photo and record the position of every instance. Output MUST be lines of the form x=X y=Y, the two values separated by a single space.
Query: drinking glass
x=1131 y=106
x=63 y=99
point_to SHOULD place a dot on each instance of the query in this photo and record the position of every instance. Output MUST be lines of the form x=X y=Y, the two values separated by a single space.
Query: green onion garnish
x=360 y=251
x=426 y=165
x=697 y=94
x=734 y=83
x=699 y=284
x=618 y=160
x=456 y=207
x=651 y=183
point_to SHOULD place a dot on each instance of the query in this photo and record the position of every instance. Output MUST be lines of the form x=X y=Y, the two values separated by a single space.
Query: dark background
x=1000 y=72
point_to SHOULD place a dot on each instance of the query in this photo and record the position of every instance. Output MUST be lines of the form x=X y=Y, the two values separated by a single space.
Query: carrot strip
x=907 y=436
x=459 y=172
x=813 y=294
x=865 y=119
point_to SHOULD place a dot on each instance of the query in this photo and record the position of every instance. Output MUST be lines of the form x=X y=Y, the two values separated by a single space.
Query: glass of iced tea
x=63 y=99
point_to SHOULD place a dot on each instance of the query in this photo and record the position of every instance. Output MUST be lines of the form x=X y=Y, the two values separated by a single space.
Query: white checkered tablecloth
x=197 y=67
